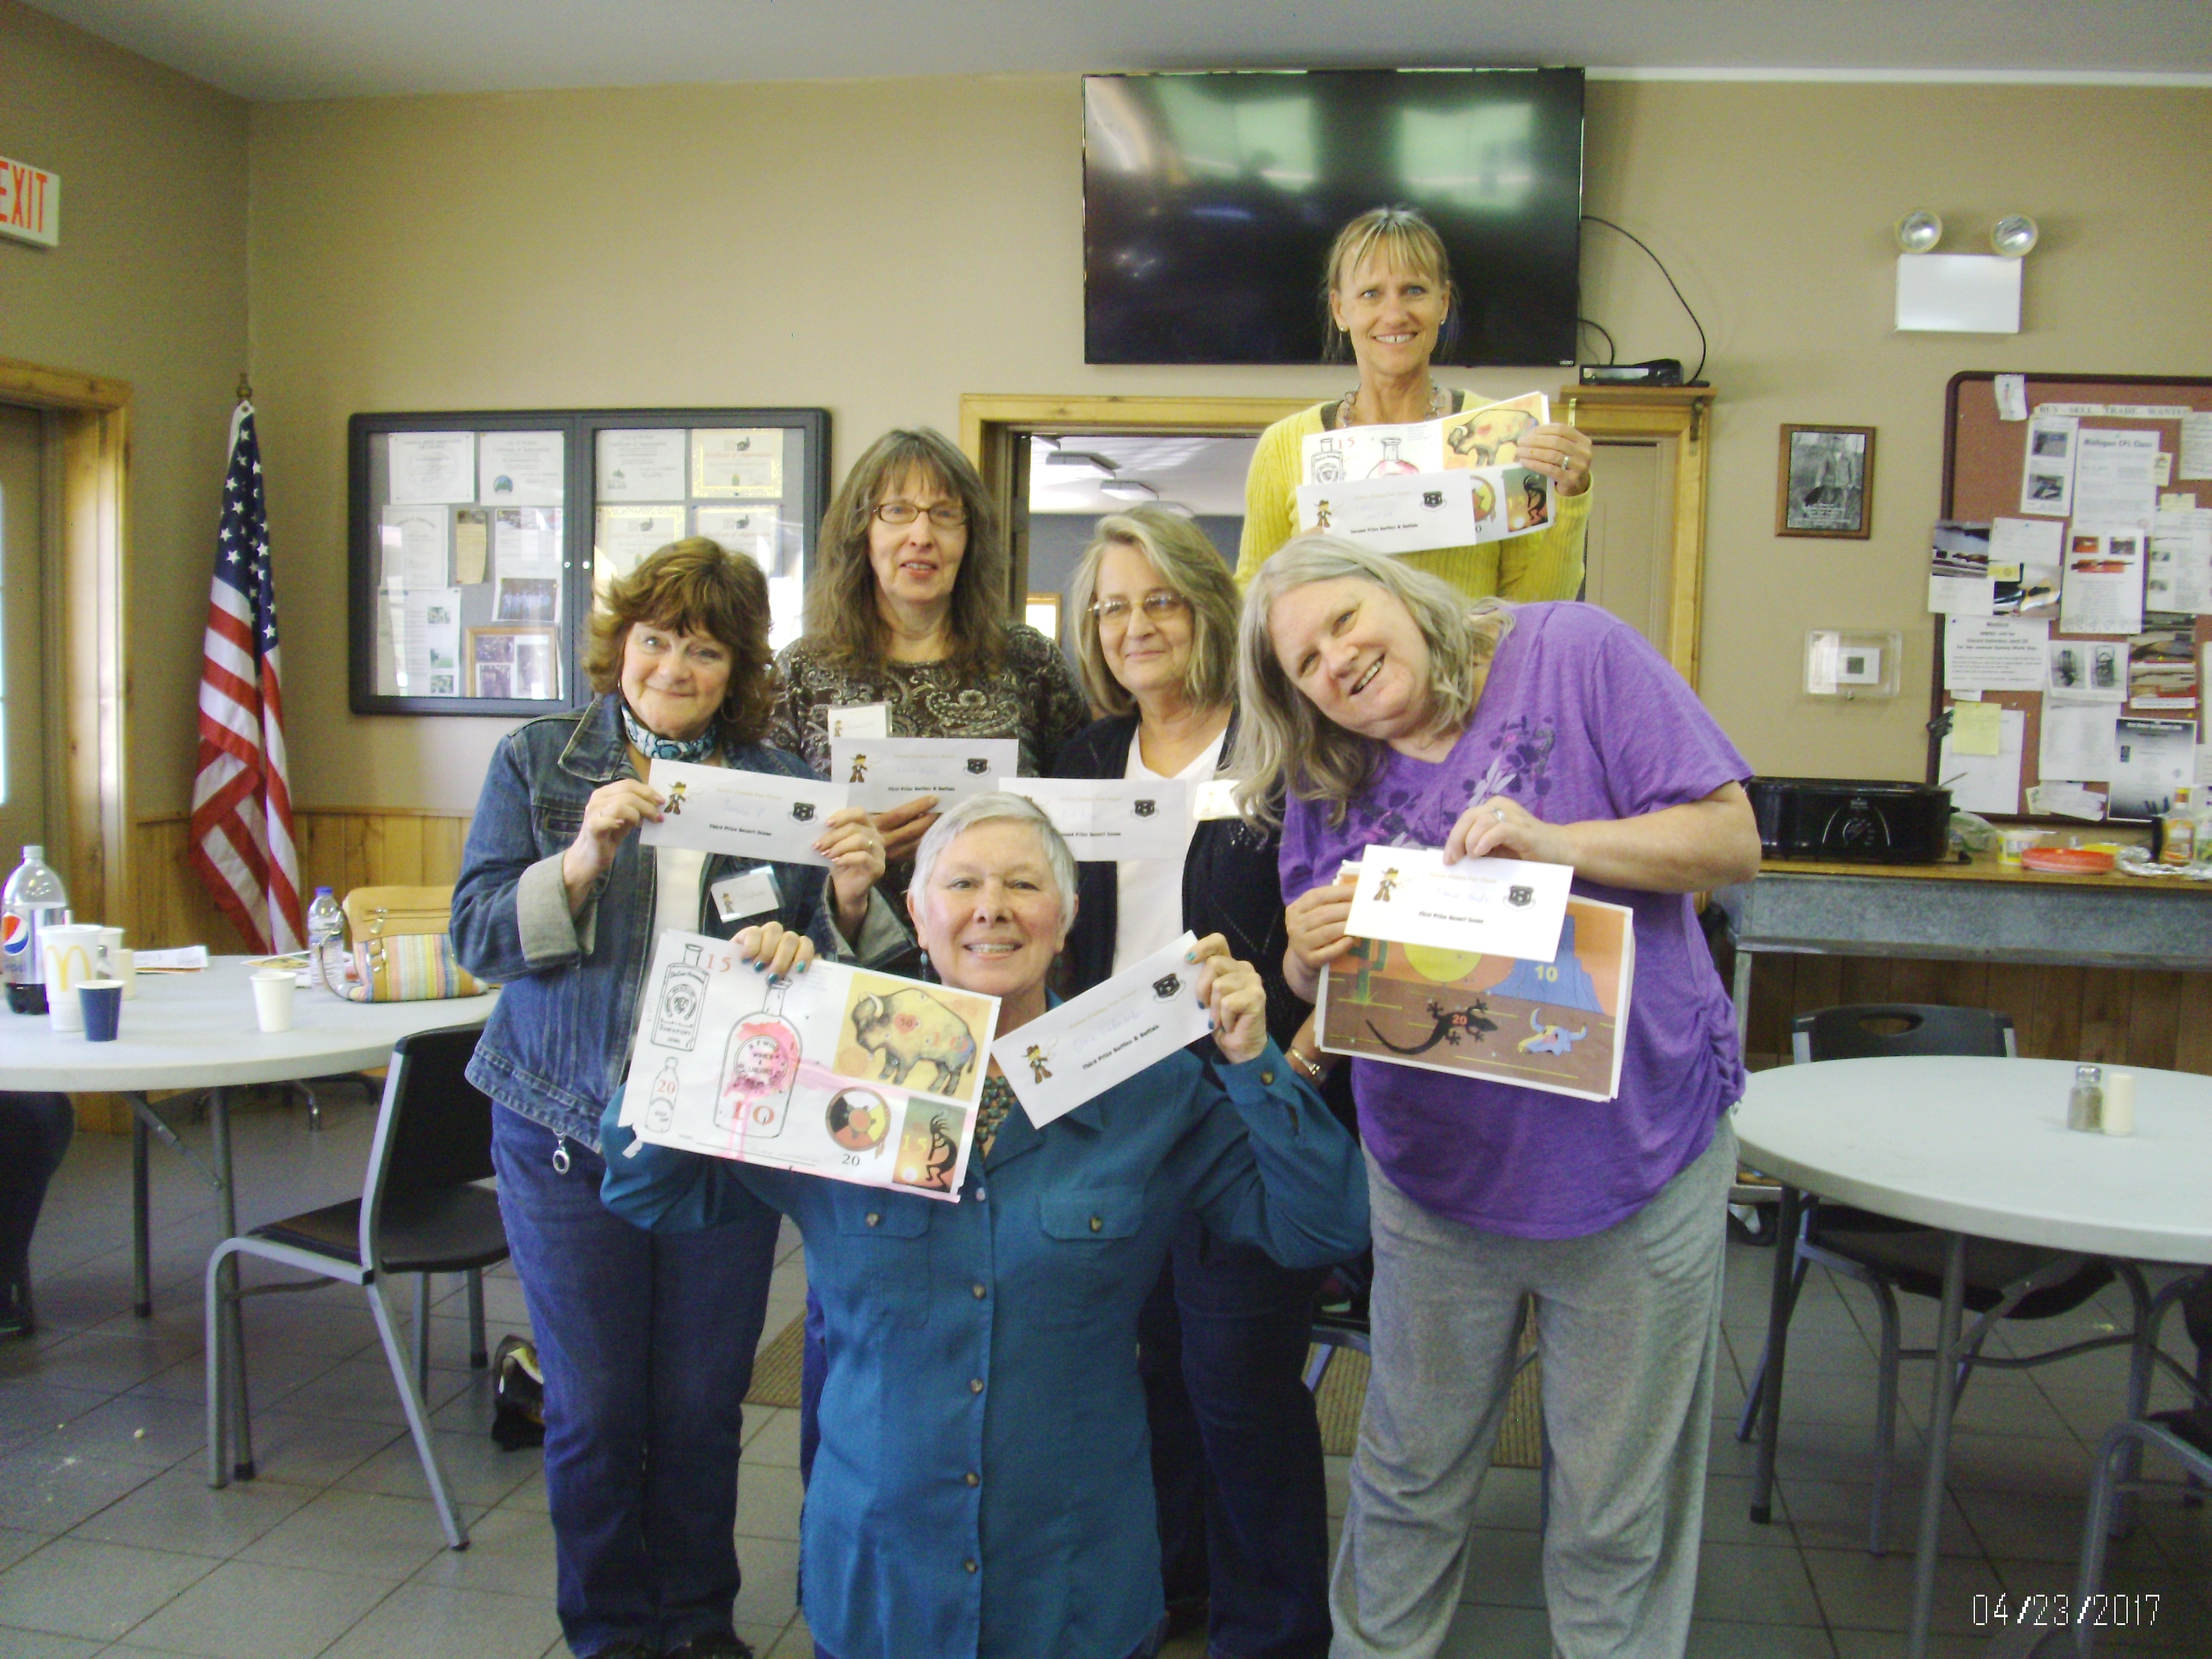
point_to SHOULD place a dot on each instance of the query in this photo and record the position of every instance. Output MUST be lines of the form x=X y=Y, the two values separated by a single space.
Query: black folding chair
x=2003 y=1280
x=419 y=1212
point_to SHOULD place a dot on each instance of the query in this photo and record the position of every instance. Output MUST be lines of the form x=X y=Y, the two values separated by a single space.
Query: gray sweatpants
x=1628 y=1325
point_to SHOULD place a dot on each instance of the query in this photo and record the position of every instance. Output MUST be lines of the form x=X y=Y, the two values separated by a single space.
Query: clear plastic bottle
x=34 y=900
x=326 y=939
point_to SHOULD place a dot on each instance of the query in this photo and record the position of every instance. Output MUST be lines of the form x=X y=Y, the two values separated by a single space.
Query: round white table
x=198 y=1030
x=1981 y=1147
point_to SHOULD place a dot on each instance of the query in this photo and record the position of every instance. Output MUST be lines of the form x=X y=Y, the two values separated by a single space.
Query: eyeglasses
x=1158 y=605
x=945 y=515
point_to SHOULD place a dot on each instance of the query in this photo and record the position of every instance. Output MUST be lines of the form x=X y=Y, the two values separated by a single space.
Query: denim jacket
x=555 y=1045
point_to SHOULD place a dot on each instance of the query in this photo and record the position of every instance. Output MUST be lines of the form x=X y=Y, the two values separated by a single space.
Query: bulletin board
x=2150 y=679
x=480 y=542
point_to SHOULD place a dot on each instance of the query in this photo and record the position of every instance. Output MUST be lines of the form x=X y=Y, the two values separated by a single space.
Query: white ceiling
x=288 y=49
x=1206 y=475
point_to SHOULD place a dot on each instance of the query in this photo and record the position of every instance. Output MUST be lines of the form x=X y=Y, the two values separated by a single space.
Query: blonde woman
x=1392 y=307
x=1236 y=1459
x=1390 y=716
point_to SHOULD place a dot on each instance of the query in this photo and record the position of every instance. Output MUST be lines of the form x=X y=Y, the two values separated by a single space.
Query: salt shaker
x=2085 y=1106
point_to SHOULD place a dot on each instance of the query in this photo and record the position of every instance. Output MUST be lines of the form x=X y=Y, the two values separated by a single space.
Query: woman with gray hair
x=1236 y=1453
x=1392 y=716
x=979 y=1489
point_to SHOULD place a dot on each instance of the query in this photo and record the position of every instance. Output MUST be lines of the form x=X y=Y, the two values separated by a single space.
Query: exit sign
x=30 y=202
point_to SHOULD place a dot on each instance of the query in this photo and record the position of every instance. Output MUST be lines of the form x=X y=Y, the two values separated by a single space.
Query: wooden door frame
x=86 y=602
x=1677 y=418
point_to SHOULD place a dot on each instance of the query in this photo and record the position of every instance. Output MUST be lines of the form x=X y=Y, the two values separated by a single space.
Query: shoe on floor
x=716 y=1646
x=627 y=1650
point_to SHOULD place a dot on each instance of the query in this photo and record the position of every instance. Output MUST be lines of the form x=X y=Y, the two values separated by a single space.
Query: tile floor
x=111 y=1543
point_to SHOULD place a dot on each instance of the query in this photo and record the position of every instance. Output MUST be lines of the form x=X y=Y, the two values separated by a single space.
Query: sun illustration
x=1441 y=966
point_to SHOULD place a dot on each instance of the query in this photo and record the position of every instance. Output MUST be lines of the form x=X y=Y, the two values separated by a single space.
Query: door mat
x=1337 y=1401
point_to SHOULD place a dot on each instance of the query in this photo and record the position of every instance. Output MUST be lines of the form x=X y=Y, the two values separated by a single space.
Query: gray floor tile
x=1715 y=1639
x=15 y=1543
x=111 y=1363
x=1510 y=1498
x=770 y=1595
x=1504 y=1568
x=38 y=1645
x=254 y=1610
x=45 y=1489
x=775 y=1441
x=2179 y=1620
x=136 y=1429
x=1727 y=1515
x=476 y=1471
x=794 y=1644
x=768 y=1502
x=1744 y=1583
x=363 y=1533
x=1858 y=1592
x=178 y=1511
x=531 y=1496
x=96 y=1591
x=437 y=1622
x=1480 y=1631
x=36 y=1406
x=510 y=1553
x=1833 y=1515
x=314 y=1451
x=363 y=1390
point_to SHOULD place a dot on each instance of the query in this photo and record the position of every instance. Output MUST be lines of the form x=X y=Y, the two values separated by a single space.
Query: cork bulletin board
x=1986 y=468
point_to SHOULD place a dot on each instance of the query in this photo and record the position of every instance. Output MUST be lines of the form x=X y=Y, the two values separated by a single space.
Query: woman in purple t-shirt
x=1391 y=714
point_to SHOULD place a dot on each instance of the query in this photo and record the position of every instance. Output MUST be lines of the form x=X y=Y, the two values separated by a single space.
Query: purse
x=402 y=948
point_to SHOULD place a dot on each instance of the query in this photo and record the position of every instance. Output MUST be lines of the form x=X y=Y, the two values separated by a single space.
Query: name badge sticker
x=741 y=897
x=860 y=719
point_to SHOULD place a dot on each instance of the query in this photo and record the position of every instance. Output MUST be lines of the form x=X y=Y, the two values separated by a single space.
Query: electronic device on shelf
x=1659 y=370
x=1851 y=821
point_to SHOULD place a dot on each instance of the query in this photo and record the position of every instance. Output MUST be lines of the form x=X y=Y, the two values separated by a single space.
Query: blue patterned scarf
x=653 y=746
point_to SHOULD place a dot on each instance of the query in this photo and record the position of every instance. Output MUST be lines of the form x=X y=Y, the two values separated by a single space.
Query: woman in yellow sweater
x=1390 y=298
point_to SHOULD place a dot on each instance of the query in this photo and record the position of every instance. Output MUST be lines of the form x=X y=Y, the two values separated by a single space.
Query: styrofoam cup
x=272 y=998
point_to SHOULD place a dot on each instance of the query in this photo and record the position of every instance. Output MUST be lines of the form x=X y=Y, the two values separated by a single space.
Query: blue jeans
x=646 y=1342
x=1236 y=1467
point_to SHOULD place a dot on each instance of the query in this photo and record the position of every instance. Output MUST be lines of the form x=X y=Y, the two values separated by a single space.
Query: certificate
x=642 y=465
x=522 y=468
x=886 y=772
x=750 y=531
x=430 y=468
x=1106 y=1036
x=752 y=815
x=414 y=544
x=1412 y=512
x=1107 y=819
x=834 y=1072
x=625 y=536
x=737 y=461
x=526 y=541
x=1499 y=906
x=1485 y=437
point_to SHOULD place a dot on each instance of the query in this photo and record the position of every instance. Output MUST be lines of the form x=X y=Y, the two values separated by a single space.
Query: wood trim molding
x=92 y=430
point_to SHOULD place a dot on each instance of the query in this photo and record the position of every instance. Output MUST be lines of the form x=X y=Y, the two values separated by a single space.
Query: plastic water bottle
x=325 y=935
x=33 y=902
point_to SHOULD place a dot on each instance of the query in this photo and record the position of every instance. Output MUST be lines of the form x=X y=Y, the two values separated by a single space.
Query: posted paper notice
x=751 y=815
x=887 y=772
x=1500 y=907
x=1108 y=1034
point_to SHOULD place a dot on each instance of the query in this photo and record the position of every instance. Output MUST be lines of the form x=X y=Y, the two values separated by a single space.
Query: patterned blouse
x=1034 y=696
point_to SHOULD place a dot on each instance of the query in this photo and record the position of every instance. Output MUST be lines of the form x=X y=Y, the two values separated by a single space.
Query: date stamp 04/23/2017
x=2035 y=1610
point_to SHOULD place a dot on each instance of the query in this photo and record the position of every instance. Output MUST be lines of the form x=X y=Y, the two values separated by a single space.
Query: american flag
x=242 y=802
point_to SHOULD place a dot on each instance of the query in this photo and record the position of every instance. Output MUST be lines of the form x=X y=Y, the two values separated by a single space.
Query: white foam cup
x=272 y=998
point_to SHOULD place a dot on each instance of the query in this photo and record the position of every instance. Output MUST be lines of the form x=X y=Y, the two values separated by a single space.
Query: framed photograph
x=1826 y=483
x=512 y=663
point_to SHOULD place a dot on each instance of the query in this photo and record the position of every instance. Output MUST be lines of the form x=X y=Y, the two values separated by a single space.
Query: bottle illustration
x=682 y=1000
x=1392 y=461
x=33 y=902
x=759 y=1069
x=660 y=1109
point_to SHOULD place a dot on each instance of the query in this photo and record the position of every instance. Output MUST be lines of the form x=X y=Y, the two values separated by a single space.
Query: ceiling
x=1206 y=475
x=292 y=49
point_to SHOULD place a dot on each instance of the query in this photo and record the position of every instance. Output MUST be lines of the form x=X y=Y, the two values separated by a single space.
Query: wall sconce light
x=1959 y=293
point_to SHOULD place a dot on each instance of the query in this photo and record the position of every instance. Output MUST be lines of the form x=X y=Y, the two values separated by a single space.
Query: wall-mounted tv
x=1211 y=200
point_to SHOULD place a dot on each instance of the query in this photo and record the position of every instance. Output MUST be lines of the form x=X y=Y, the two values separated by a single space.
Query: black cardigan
x=1230 y=885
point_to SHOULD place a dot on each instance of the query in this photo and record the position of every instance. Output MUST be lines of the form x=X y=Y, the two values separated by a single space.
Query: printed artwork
x=1553 y=1025
x=837 y=1072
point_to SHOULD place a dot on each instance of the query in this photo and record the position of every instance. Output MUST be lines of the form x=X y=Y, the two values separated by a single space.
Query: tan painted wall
x=881 y=247
x=148 y=286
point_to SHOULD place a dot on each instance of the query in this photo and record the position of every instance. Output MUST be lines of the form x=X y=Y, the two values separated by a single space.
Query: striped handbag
x=402 y=948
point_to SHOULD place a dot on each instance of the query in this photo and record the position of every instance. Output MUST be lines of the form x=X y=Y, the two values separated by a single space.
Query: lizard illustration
x=1450 y=1022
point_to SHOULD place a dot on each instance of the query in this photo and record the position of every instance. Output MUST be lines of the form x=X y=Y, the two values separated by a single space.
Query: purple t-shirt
x=1580 y=719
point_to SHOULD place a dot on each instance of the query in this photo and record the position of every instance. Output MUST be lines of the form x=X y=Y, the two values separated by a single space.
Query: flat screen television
x=1210 y=202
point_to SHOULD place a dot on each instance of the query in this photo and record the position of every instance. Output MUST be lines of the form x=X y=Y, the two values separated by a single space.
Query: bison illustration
x=910 y=1026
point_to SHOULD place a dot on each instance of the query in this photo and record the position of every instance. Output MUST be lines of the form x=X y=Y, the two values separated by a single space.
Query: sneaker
x=716 y=1646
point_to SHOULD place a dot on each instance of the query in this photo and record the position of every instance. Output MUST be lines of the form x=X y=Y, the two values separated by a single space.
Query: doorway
x=22 y=621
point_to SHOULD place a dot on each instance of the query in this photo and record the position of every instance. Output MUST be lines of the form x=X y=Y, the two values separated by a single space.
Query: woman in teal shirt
x=983 y=1486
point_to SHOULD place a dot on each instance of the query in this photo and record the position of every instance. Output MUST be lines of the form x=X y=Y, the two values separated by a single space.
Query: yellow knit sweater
x=1545 y=565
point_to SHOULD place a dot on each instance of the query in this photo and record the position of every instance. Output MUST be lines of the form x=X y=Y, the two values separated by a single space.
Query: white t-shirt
x=1148 y=892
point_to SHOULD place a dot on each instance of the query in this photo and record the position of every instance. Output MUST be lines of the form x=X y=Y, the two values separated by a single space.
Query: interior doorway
x=22 y=620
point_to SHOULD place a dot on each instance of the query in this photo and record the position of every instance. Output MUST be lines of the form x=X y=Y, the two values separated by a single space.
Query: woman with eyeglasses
x=908 y=608
x=1237 y=1456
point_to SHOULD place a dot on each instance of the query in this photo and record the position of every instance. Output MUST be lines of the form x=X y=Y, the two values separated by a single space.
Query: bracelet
x=1310 y=1066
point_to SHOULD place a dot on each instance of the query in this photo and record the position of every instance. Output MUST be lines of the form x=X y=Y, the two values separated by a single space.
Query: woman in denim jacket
x=647 y=1343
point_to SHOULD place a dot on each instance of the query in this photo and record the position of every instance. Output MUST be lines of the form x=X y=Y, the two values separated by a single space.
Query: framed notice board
x=478 y=542
x=2097 y=642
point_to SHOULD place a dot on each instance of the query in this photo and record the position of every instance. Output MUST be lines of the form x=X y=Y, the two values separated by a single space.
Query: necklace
x=1439 y=404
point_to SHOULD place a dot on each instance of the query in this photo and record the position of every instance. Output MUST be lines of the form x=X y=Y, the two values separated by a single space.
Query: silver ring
x=1498 y=812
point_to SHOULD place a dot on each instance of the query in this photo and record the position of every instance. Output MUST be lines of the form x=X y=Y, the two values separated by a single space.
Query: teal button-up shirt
x=984 y=1483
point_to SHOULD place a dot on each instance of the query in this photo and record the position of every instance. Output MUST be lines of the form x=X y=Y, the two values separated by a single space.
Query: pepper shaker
x=2085 y=1106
